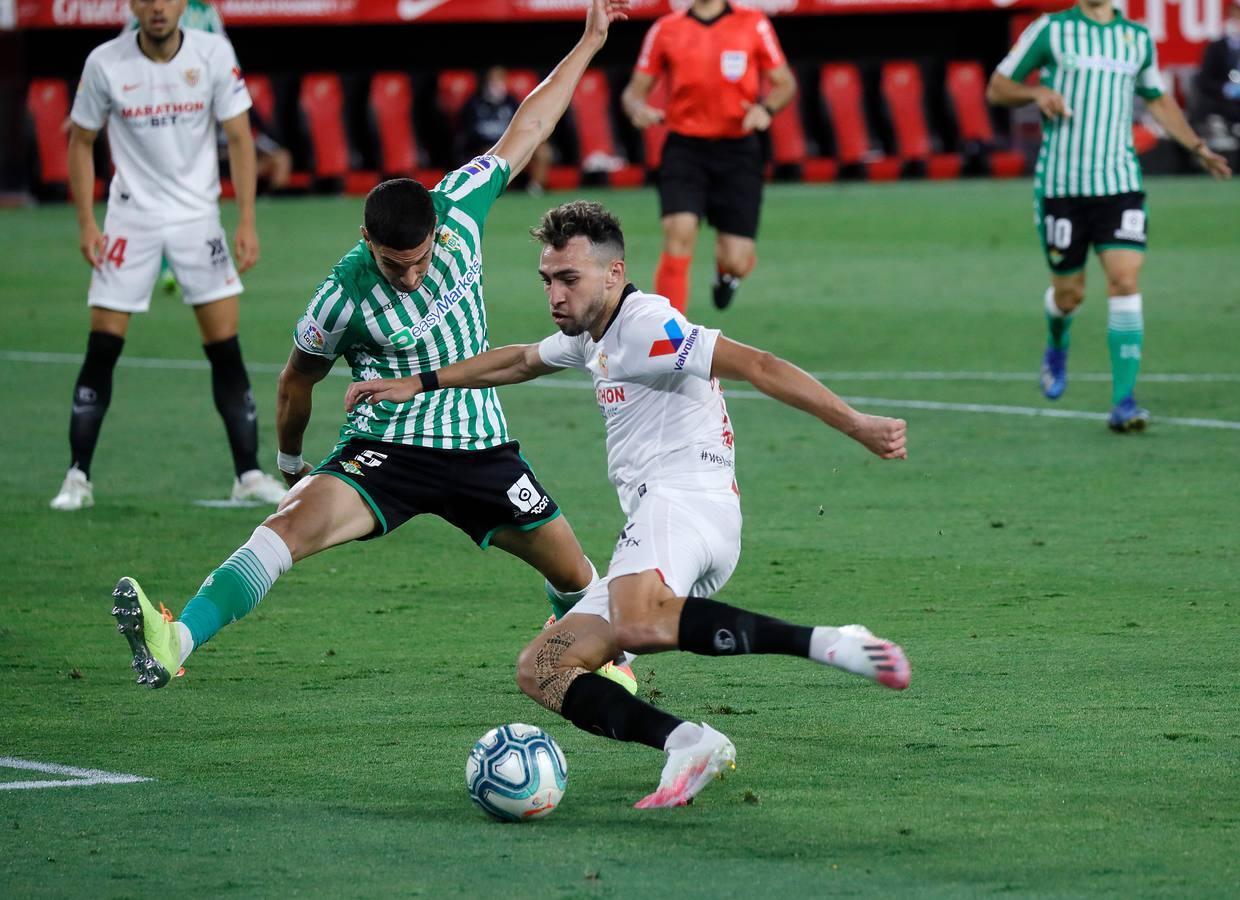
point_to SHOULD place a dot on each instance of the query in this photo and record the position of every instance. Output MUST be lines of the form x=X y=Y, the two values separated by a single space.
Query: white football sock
x=187 y=642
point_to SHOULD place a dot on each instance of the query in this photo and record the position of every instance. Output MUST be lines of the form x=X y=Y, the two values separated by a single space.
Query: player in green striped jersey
x=406 y=300
x=1087 y=185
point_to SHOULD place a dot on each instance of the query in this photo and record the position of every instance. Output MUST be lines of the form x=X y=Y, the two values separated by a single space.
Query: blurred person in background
x=715 y=58
x=1217 y=86
x=161 y=92
x=485 y=118
x=1087 y=185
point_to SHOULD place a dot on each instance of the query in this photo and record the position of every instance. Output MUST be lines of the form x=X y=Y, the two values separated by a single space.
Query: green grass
x=1067 y=597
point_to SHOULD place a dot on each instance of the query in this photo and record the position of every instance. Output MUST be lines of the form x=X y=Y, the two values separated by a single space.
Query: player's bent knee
x=545 y=668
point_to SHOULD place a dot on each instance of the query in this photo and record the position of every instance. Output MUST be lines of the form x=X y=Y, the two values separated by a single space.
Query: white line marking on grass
x=78 y=777
x=932 y=405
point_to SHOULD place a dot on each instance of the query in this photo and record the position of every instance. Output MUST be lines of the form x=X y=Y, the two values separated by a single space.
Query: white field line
x=78 y=777
x=931 y=405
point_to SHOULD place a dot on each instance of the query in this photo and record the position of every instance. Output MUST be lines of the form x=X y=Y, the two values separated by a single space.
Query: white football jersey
x=667 y=423
x=161 y=121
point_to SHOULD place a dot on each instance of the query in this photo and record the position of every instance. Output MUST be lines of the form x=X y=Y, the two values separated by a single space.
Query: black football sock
x=600 y=706
x=712 y=628
x=235 y=401
x=91 y=396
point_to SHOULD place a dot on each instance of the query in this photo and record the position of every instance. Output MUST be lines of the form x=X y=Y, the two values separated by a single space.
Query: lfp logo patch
x=672 y=344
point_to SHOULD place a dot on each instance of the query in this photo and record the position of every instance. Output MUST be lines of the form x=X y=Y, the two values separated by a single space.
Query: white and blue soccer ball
x=516 y=772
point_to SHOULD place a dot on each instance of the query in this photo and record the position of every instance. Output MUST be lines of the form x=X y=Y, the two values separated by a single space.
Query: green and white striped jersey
x=1097 y=69
x=385 y=333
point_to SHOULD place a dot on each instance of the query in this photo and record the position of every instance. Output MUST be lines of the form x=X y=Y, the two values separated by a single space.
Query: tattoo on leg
x=553 y=681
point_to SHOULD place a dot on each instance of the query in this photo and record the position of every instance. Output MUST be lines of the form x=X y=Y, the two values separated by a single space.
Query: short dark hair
x=584 y=218
x=399 y=214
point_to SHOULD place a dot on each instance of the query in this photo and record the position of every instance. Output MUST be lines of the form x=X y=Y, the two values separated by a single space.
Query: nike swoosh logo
x=130 y=87
x=412 y=9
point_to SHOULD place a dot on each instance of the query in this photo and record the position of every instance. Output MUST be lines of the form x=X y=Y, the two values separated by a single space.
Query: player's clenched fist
x=394 y=390
x=882 y=436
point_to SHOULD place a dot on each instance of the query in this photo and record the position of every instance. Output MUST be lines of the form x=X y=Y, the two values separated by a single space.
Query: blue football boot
x=1127 y=416
x=1054 y=377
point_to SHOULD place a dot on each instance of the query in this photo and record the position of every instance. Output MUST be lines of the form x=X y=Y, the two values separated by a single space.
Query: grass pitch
x=1067 y=596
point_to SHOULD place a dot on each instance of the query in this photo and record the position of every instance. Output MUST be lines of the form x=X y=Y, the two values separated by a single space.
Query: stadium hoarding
x=1180 y=27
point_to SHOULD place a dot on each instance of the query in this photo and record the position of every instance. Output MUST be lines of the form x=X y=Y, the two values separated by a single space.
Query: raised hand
x=601 y=14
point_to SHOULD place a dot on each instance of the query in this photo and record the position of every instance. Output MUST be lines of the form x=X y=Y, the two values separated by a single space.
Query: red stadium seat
x=788 y=137
x=654 y=137
x=521 y=82
x=263 y=96
x=47 y=100
x=391 y=103
x=966 y=94
x=903 y=92
x=597 y=149
x=322 y=102
x=841 y=88
x=840 y=85
x=454 y=88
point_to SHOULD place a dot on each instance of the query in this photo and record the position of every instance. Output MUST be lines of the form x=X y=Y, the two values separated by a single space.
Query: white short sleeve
x=93 y=102
x=662 y=342
x=229 y=95
x=562 y=352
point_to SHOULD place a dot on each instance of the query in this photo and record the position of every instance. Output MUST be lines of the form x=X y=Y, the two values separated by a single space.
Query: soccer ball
x=516 y=772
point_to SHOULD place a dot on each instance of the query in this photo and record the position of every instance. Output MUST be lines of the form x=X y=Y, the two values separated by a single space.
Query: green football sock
x=1058 y=323
x=1125 y=334
x=563 y=601
x=237 y=586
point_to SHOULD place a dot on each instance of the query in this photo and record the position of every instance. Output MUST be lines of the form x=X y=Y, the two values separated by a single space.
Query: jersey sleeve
x=93 y=102
x=476 y=186
x=321 y=330
x=562 y=352
x=1032 y=51
x=770 y=54
x=229 y=95
x=653 y=57
x=1149 y=79
x=661 y=341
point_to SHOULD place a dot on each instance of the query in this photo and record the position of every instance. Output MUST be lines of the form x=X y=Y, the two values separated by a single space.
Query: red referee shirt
x=712 y=68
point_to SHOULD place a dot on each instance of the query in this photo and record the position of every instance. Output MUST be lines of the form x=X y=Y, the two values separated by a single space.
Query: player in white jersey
x=671 y=457
x=160 y=91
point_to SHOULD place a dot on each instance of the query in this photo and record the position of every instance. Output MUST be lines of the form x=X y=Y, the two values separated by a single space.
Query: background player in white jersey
x=670 y=455
x=161 y=91
x=407 y=297
x=1087 y=186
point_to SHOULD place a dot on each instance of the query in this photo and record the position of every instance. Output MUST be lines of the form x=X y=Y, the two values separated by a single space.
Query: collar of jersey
x=628 y=289
x=727 y=8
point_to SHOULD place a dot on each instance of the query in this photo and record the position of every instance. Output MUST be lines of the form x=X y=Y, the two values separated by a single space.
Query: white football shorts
x=197 y=252
x=693 y=539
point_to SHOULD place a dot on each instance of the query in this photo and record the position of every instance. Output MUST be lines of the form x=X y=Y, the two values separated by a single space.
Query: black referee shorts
x=718 y=180
x=478 y=491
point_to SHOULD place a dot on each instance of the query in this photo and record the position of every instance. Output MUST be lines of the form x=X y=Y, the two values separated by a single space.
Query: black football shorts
x=717 y=180
x=1069 y=226
x=478 y=491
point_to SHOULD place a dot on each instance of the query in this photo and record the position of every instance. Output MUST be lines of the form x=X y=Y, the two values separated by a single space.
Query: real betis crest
x=449 y=240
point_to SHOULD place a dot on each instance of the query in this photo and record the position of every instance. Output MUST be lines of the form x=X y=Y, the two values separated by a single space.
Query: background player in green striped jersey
x=407 y=299
x=1087 y=185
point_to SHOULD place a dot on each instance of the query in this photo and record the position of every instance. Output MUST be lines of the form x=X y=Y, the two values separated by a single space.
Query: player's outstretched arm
x=1003 y=91
x=243 y=169
x=506 y=365
x=294 y=392
x=1167 y=113
x=538 y=114
x=82 y=184
x=788 y=384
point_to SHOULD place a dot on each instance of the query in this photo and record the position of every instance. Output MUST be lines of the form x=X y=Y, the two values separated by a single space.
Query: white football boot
x=690 y=769
x=855 y=649
x=258 y=485
x=75 y=493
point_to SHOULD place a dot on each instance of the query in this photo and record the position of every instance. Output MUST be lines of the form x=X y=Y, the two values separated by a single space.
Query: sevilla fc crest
x=191 y=76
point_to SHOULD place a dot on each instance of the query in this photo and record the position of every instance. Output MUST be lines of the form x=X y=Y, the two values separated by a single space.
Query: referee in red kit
x=715 y=57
